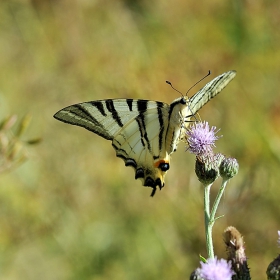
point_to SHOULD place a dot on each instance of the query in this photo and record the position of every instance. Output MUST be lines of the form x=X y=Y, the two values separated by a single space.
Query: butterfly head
x=178 y=110
x=183 y=100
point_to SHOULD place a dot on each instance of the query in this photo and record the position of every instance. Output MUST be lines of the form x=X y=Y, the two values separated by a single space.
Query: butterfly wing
x=137 y=129
x=210 y=90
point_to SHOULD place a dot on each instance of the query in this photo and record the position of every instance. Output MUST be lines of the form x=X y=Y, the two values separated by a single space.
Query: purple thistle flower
x=215 y=269
x=278 y=241
x=201 y=138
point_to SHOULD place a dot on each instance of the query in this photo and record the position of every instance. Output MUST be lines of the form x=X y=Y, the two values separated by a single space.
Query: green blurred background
x=72 y=210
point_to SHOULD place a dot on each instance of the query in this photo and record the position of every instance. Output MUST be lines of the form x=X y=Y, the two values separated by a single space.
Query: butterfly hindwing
x=144 y=133
x=141 y=143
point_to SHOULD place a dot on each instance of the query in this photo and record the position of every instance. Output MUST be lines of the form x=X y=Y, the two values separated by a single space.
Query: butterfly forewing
x=144 y=133
x=210 y=90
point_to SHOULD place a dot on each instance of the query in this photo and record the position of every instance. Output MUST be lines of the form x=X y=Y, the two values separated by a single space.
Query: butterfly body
x=144 y=133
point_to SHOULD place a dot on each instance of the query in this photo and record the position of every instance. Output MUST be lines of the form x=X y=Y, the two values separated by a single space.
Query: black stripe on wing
x=111 y=108
x=99 y=106
x=142 y=106
x=142 y=129
x=129 y=103
x=78 y=115
x=212 y=84
x=161 y=125
x=82 y=113
x=176 y=102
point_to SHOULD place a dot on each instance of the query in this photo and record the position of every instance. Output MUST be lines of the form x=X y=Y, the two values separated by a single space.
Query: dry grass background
x=73 y=211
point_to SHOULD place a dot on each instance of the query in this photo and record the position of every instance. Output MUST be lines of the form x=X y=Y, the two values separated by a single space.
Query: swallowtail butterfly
x=144 y=133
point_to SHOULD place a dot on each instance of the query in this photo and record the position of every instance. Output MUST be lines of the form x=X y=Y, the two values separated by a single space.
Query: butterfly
x=144 y=133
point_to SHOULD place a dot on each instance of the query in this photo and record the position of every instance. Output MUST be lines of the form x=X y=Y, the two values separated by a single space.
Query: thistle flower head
x=278 y=241
x=201 y=138
x=215 y=269
x=207 y=167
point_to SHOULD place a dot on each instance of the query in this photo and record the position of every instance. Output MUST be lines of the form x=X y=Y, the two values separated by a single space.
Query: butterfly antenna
x=209 y=73
x=174 y=88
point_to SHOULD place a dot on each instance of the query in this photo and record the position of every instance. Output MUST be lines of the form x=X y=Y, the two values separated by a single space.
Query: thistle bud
x=228 y=168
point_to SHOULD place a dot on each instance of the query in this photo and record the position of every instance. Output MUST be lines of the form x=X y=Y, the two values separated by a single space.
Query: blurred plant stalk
x=13 y=151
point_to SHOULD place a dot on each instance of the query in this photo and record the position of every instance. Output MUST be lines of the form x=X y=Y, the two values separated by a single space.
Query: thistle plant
x=208 y=168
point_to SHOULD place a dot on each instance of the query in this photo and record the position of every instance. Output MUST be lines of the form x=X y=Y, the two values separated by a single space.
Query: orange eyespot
x=157 y=163
x=162 y=164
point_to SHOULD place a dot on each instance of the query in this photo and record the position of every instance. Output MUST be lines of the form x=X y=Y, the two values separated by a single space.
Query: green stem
x=217 y=201
x=207 y=221
x=209 y=217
